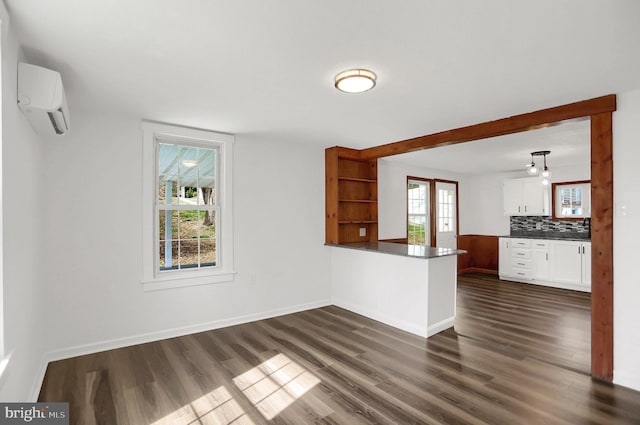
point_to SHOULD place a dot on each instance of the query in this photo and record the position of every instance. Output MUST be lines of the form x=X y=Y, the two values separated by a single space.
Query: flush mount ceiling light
x=355 y=81
x=532 y=170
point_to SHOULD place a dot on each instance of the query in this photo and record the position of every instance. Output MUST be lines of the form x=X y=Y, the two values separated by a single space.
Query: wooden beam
x=602 y=247
x=515 y=124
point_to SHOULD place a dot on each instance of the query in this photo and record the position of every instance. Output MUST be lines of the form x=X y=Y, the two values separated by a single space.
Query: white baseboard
x=440 y=326
x=37 y=383
x=580 y=288
x=96 y=347
x=380 y=317
x=627 y=380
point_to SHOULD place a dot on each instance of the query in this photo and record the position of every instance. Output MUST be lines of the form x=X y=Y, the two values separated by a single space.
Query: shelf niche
x=351 y=197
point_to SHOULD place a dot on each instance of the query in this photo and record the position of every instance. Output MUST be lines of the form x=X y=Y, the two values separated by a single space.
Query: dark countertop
x=557 y=236
x=404 y=250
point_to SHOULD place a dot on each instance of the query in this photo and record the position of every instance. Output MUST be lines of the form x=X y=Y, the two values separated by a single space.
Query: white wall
x=392 y=195
x=481 y=209
x=626 y=240
x=92 y=240
x=23 y=212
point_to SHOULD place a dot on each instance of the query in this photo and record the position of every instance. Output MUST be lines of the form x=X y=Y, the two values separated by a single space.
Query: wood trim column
x=331 y=195
x=602 y=244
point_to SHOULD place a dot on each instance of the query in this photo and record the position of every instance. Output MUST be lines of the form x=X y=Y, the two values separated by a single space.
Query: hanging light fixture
x=533 y=170
x=355 y=80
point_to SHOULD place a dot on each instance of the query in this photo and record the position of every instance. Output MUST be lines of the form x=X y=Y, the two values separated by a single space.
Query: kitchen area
x=521 y=223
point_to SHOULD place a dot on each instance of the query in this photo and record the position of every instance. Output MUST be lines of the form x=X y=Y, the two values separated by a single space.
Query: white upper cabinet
x=527 y=196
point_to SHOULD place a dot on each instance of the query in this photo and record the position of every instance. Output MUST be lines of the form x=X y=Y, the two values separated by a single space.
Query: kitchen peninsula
x=410 y=287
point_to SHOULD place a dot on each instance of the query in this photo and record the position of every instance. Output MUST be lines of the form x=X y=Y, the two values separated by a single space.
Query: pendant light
x=533 y=170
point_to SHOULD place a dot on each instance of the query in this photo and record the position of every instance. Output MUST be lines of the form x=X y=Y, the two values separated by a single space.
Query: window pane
x=171 y=217
x=207 y=252
x=207 y=190
x=188 y=224
x=188 y=161
x=167 y=185
x=188 y=253
x=207 y=224
x=207 y=162
x=172 y=261
x=417 y=230
x=167 y=159
x=189 y=195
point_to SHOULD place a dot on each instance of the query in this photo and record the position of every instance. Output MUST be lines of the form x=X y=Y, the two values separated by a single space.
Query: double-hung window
x=187 y=223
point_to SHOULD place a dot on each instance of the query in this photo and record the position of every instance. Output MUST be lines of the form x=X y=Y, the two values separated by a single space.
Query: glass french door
x=446 y=215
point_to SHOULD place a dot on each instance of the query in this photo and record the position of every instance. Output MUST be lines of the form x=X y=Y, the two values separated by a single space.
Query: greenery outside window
x=418 y=221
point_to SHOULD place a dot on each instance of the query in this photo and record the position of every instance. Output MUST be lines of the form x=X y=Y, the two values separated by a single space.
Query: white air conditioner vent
x=42 y=100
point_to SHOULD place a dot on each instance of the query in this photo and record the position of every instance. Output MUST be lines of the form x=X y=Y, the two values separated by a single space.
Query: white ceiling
x=266 y=67
x=569 y=143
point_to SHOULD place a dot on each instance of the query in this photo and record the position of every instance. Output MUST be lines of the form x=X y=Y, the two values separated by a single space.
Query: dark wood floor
x=547 y=324
x=330 y=366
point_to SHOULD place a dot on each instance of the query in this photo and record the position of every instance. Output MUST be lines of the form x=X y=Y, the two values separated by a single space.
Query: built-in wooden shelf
x=351 y=197
x=358 y=222
x=353 y=179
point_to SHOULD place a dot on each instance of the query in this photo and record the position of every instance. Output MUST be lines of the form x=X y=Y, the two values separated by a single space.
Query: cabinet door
x=540 y=264
x=512 y=197
x=586 y=264
x=504 y=258
x=566 y=262
x=534 y=193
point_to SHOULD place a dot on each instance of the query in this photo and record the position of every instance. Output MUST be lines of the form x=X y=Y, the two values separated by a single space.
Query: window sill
x=181 y=280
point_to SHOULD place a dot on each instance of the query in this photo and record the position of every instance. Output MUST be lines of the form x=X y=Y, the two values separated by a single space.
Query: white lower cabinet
x=504 y=257
x=540 y=260
x=563 y=264
x=566 y=263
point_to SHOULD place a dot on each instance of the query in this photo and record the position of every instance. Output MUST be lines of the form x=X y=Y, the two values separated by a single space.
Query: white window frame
x=427 y=214
x=585 y=195
x=152 y=277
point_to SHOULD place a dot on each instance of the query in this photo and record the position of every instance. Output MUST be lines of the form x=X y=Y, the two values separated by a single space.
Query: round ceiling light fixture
x=355 y=80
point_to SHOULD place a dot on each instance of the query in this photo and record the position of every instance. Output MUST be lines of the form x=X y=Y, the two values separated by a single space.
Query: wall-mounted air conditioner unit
x=41 y=98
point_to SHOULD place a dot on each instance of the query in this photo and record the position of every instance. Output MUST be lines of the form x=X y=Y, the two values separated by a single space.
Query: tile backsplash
x=522 y=225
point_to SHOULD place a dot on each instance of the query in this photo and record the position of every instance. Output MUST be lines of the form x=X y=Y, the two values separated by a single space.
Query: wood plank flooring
x=331 y=366
x=548 y=324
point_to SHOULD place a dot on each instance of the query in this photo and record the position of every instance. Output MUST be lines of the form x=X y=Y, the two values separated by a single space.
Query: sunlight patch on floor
x=216 y=407
x=271 y=387
x=275 y=384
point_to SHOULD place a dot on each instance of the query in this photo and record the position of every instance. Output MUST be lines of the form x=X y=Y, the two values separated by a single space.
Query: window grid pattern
x=186 y=205
x=418 y=216
x=571 y=202
x=446 y=210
